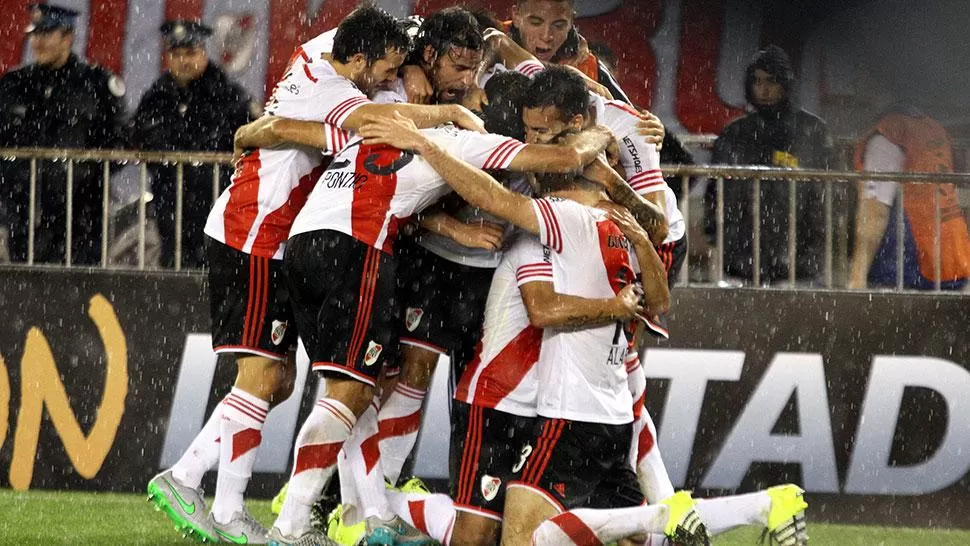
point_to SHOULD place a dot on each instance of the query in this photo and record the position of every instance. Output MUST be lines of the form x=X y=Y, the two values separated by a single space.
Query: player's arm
x=648 y=213
x=653 y=275
x=574 y=153
x=473 y=185
x=422 y=115
x=875 y=202
x=480 y=234
x=270 y=131
x=548 y=309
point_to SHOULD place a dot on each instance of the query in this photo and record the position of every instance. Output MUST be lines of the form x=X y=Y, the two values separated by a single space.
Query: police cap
x=184 y=33
x=47 y=17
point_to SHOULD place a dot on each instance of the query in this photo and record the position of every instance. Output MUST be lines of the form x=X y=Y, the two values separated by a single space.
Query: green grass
x=48 y=517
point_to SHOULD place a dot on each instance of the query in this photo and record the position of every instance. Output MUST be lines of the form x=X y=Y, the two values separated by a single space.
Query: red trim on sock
x=244 y=441
x=314 y=456
x=417 y=515
x=576 y=529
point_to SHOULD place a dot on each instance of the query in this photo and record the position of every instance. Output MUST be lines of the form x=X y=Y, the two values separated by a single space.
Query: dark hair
x=443 y=29
x=486 y=18
x=774 y=61
x=371 y=31
x=560 y=87
x=503 y=114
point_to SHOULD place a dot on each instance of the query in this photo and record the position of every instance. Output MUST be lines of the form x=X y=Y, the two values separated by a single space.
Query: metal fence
x=109 y=161
x=690 y=274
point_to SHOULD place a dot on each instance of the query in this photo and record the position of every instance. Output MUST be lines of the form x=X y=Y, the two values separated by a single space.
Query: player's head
x=185 y=49
x=543 y=25
x=557 y=104
x=769 y=79
x=51 y=33
x=506 y=92
x=449 y=48
x=373 y=44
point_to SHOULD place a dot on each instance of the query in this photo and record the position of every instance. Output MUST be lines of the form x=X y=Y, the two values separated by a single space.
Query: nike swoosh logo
x=340 y=164
x=241 y=539
x=186 y=507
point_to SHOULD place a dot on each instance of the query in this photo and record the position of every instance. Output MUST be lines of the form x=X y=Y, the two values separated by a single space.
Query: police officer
x=58 y=101
x=193 y=106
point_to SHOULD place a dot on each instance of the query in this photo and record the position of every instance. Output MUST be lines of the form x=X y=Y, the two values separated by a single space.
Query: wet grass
x=48 y=517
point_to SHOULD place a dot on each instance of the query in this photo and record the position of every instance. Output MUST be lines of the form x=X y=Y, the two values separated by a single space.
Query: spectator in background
x=545 y=29
x=906 y=140
x=778 y=134
x=58 y=101
x=194 y=107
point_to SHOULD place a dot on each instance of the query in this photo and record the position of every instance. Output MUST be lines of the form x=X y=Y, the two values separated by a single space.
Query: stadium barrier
x=862 y=397
x=836 y=186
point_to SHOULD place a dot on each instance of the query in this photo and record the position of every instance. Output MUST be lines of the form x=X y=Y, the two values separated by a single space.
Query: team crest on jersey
x=413 y=318
x=372 y=354
x=490 y=485
x=279 y=330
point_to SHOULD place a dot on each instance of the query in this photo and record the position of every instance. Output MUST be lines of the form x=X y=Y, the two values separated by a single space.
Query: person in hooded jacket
x=194 y=106
x=775 y=133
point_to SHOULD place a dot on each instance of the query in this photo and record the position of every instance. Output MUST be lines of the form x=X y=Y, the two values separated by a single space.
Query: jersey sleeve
x=882 y=156
x=531 y=260
x=313 y=92
x=640 y=159
x=337 y=139
x=530 y=67
x=488 y=151
x=553 y=215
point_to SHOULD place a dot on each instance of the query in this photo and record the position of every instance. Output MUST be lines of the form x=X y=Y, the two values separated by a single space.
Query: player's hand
x=480 y=234
x=629 y=301
x=397 y=131
x=652 y=128
x=416 y=85
x=244 y=137
x=475 y=99
x=599 y=171
x=624 y=220
x=466 y=119
x=495 y=38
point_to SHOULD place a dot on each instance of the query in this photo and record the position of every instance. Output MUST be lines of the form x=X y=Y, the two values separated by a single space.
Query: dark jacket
x=202 y=117
x=781 y=136
x=75 y=106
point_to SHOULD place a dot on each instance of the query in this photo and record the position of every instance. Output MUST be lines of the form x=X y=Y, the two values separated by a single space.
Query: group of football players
x=452 y=187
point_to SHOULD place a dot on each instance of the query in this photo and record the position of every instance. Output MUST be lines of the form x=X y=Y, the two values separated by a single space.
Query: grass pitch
x=50 y=517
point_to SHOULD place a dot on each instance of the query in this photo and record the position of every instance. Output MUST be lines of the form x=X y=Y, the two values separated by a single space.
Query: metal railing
x=108 y=158
x=719 y=175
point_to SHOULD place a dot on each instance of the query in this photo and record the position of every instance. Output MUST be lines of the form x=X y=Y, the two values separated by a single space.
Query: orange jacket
x=928 y=149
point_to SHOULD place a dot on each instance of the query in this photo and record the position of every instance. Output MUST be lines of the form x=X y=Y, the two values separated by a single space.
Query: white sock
x=362 y=490
x=590 y=527
x=651 y=472
x=320 y=439
x=721 y=514
x=243 y=415
x=202 y=454
x=399 y=421
x=433 y=515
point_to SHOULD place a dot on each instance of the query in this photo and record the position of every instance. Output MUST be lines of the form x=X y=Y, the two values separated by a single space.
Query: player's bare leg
x=525 y=510
x=474 y=530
